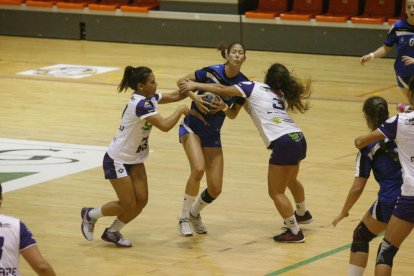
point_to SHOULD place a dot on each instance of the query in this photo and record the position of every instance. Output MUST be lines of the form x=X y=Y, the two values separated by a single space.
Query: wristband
x=225 y=109
x=372 y=55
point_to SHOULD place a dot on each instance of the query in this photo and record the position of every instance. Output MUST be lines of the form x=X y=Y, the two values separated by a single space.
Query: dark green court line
x=313 y=259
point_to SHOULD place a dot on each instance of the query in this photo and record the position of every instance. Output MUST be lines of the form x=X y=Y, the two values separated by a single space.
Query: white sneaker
x=88 y=224
x=184 y=227
x=198 y=224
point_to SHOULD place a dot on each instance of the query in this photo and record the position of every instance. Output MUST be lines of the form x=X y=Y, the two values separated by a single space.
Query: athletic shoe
x=116 y=238
x=88 y=224
x=184 y=227
x=198 y=224
x=289 y=237
x=305 y=219
x=402 y=107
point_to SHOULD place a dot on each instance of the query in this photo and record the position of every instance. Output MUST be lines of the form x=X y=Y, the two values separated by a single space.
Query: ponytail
x=133 y=76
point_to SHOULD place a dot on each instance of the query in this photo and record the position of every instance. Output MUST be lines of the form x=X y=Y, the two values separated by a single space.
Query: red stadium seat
x=73 y=4
x=268 y=9
x=303 y=10
x=41 y=3
x=141 y=6
x=11 y=2
x=107 y=5
x=376 y=12
x=339 y=11
x=402 y=15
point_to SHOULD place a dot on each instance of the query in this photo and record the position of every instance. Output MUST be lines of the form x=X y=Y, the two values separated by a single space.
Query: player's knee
x=386 y=253
x=361 y=238
x=197 y=172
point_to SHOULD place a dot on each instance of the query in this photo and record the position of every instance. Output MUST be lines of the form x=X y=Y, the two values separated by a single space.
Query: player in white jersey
x=399 y=128
x=16 y=239
x=267 y=108
x=123 y=163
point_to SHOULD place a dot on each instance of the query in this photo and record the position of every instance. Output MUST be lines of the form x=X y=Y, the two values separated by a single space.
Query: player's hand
x=216 y=106
x=202 y=105
x=407 y=60
x=365 y=59
x=187 y=85
x=338 y=218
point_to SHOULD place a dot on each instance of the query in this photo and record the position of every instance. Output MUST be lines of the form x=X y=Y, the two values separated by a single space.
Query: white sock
x=354 y=270
x=116 y=226
x=198 y=205
x=95 y=213
x=291 y=223
x=187 y=202
x=300 y=208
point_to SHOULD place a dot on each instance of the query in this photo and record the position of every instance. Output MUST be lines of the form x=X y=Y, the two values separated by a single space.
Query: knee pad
x=362 y=237
x=386 y=253
x=206 y=197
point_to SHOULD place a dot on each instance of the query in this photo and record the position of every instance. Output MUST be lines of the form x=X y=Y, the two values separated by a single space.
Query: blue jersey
x=214 y=74
x=401 y=34
x=387 y=171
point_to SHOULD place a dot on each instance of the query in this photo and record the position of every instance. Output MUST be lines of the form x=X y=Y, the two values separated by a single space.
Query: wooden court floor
x=243 y=219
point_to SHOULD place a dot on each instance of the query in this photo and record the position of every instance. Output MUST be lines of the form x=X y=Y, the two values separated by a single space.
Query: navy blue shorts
x=288 y=149
x=208 y=139
x=404 y=209
x=403 y=81
x=113 y=169
x=381 y=212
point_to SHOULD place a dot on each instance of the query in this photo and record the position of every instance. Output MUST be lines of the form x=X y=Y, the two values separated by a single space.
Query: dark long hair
x=133 y=76
x=376 y=109
x=225 y=50
x=295 y=92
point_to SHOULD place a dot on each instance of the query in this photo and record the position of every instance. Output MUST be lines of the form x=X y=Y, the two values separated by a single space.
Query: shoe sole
x=301 y=241
x=305 y=221
x=117 y=244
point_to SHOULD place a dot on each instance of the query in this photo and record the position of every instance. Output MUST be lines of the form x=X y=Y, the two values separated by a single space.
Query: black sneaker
x=289 y=237
x=116 y=238
x=305 y=219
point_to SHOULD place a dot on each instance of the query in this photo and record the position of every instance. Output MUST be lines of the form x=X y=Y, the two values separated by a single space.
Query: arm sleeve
x=145 y=108
x=26 y=237
x=201 y=75
x=389 y=127
x=391 y=37
x=245 y=88
x=363 y=164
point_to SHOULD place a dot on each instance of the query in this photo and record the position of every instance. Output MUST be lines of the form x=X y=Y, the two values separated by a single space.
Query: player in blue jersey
x=123 y=163
x=401 y=34
x=268 y=105
x=399 y=128
x=200 y=136
x=382 y=159
x=15 y=240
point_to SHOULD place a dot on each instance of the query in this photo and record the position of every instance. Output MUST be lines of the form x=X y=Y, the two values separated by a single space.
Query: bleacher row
x=101 y=5
x=358 y=11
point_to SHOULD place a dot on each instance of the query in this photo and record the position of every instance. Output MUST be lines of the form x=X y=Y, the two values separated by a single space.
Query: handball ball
x=211 y=98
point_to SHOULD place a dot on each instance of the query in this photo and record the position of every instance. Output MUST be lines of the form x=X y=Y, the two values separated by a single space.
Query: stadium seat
x=107 y=5
x=140 y=6
x=41 y=3
x=339 y=11
x=73 y=4
x=402 y=15
x=11 y=2
x=376 y=12
x=303 y=10
x=268 y=9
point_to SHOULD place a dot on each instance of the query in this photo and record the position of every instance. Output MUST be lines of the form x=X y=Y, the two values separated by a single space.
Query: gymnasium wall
x=175 y=24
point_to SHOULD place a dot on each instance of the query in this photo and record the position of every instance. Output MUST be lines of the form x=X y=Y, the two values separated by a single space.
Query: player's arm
x=36 y=261
x=172 y=97
x=353 y=195
x=216 y=88
x=165 y=124
x=378 y=53
x=364 y=140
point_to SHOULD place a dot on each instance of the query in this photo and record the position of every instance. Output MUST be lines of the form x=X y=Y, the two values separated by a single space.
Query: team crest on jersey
x=276 y=120
x=409 y=122
x=5 y=225
x=147 y=126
